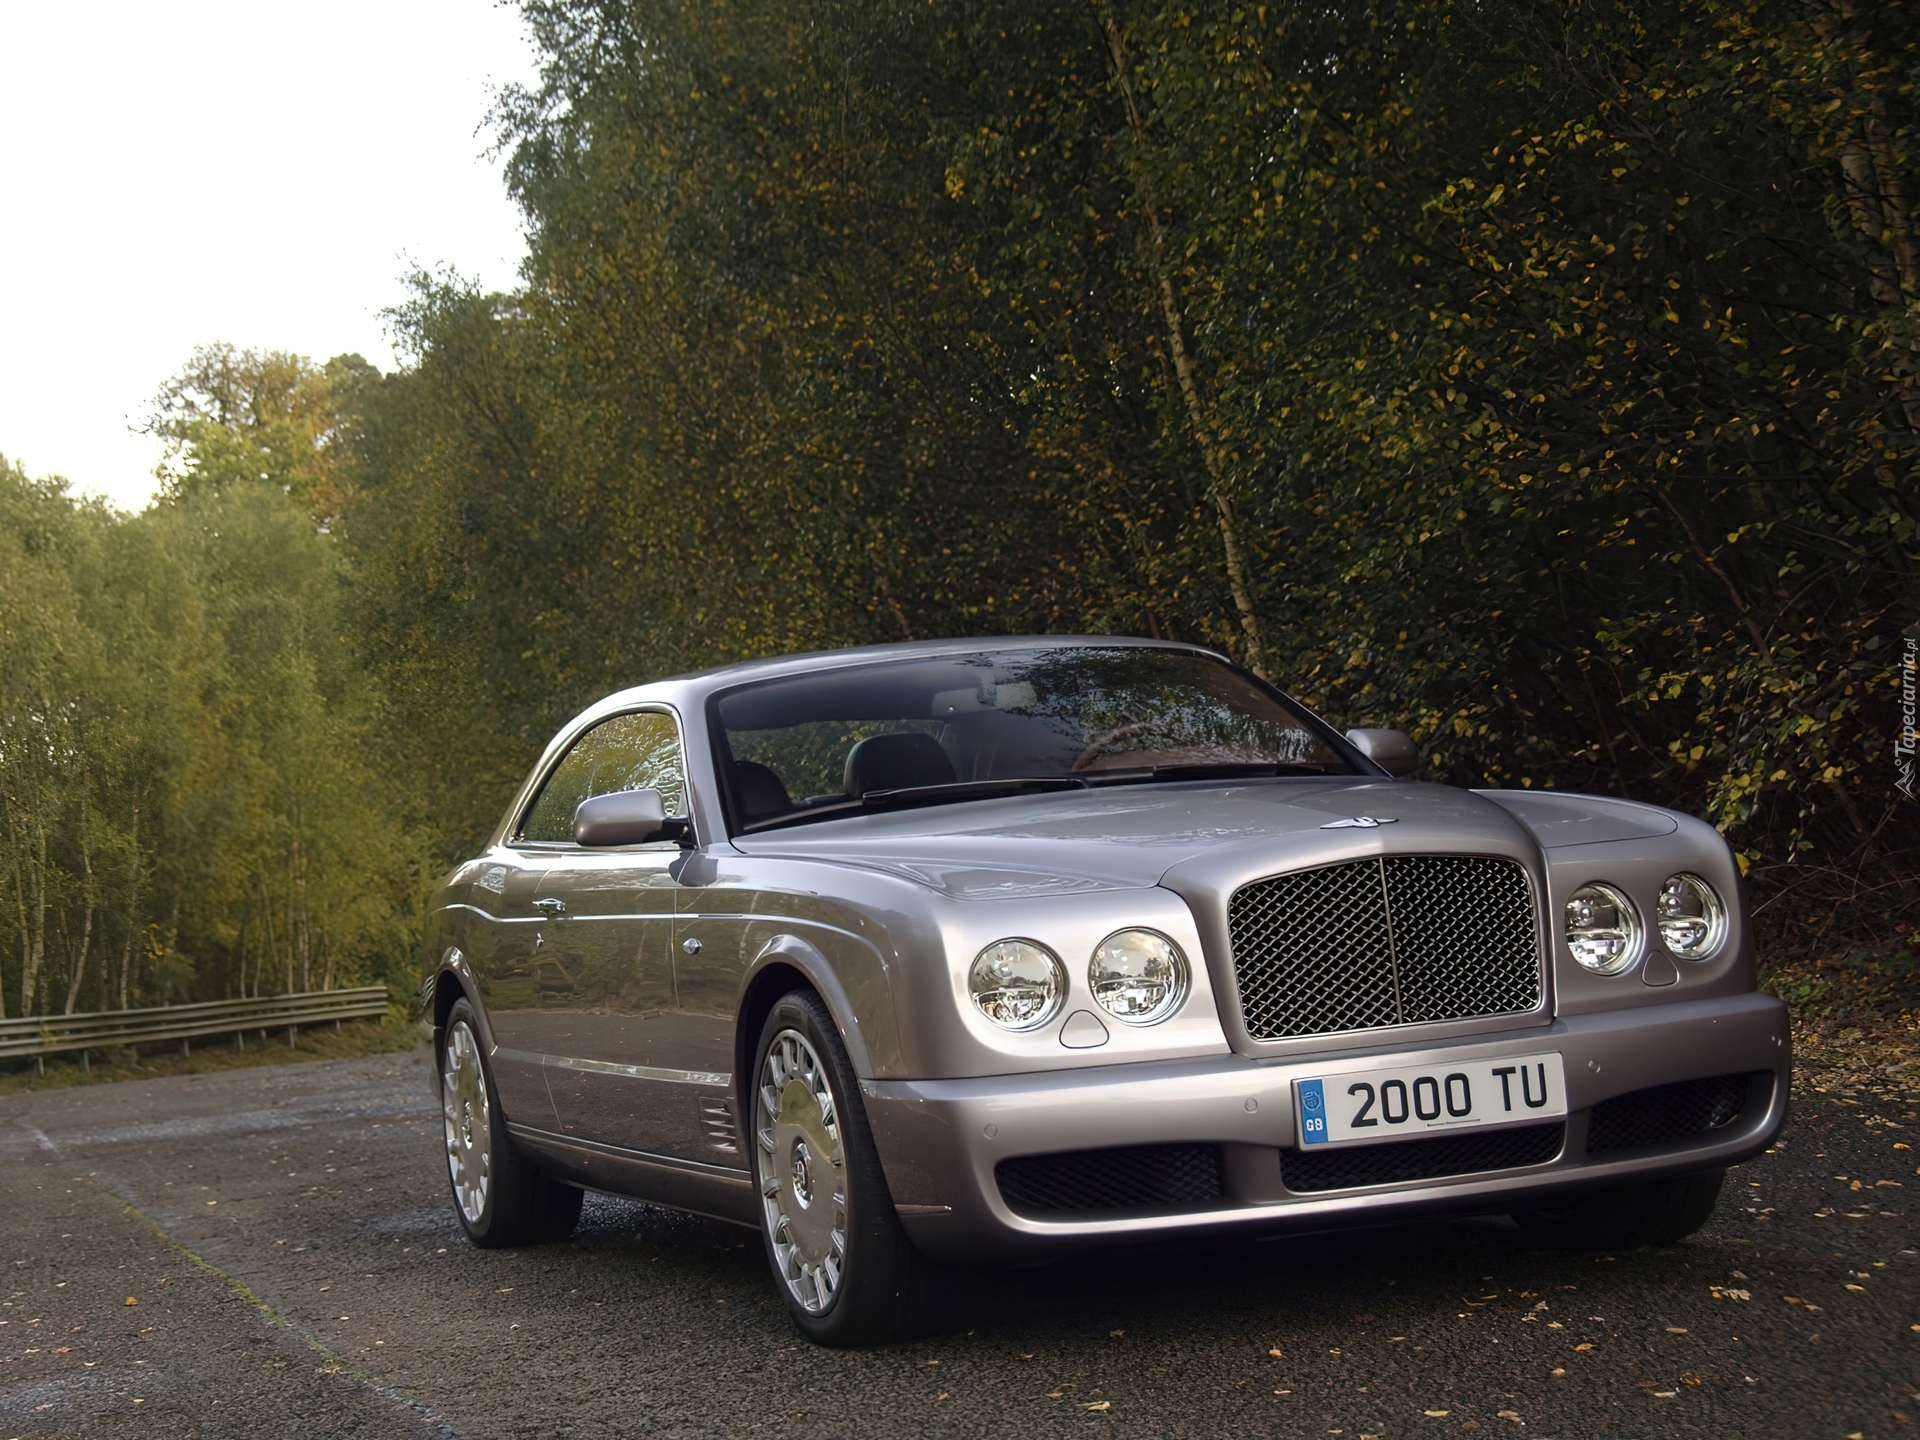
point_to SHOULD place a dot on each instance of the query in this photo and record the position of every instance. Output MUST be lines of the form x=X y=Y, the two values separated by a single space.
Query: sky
x=180 y=174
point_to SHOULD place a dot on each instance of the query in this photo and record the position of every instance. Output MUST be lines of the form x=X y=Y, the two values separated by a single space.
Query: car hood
x=1133 y=836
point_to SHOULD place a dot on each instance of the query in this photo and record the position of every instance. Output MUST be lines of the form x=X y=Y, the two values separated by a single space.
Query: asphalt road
x=270 y=1252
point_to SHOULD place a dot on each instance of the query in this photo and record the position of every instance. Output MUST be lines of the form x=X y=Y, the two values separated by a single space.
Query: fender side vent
x=1666 y=1113
x=1136 y=1177
x=716 y=1123
x=1310 y=1171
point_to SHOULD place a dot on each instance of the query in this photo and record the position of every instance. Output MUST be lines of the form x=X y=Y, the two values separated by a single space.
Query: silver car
x=972 y=951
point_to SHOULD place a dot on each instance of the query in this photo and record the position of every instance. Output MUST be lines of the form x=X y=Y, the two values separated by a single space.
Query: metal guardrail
x=40 y=1035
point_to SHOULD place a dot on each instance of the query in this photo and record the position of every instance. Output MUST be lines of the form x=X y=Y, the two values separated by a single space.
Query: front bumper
x=939 y=1140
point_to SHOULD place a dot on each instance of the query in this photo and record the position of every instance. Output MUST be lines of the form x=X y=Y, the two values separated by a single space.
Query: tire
x=499 y=1199
x=1659 y=1212
x=841 y=1261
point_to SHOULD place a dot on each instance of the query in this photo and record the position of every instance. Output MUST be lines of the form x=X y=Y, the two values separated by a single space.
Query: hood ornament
x=1361 y=822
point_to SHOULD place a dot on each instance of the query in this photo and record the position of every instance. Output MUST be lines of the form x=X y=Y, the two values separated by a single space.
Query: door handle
x=553 y=905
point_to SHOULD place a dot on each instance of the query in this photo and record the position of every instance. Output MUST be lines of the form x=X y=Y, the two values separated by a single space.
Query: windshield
x=924 y=732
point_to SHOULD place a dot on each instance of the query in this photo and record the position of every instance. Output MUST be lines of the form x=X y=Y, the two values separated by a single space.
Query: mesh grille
x=1157 y=1177
x=1399 y=940
x=1307 y=1171
x=1666 y=1112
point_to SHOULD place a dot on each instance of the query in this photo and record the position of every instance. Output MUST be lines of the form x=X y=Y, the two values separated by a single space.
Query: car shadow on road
x=1314 y=1281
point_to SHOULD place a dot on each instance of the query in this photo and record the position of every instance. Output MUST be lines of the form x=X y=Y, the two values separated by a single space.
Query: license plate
x=1368 y=1106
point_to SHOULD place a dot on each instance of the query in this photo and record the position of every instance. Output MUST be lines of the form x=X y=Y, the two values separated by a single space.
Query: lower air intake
x=1309 y=1171
x=1138 y=1177
x=1665 y=1113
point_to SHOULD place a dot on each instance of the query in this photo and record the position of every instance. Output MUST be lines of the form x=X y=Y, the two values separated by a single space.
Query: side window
x=626 y=752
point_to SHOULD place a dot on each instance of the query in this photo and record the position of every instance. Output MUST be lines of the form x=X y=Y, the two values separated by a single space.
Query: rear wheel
x=847 y=1271
x=499 y=1198
x=1657 y=1212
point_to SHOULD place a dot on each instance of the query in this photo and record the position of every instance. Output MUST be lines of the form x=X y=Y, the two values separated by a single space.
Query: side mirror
x=1391 y=750
x=626 y=817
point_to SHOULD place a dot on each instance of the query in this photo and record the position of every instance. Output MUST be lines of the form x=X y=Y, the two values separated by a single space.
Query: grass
x=387 y=1036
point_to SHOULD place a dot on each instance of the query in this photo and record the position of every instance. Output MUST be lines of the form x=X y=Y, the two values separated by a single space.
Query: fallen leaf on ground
x=1676 y=1330
x=1099 y=1405
x=1584 y=1345
x=1276 y=1354
x=1435 y=1414
x=1689 y=1378
x=1116 y=1334
x=1513 y=1415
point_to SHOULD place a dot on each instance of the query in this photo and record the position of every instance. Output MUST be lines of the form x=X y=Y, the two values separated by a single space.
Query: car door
x=716 y=937
x=606 y=972
x=504 y=945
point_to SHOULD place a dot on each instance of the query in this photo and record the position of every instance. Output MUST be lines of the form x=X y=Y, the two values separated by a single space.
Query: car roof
x=702 y=682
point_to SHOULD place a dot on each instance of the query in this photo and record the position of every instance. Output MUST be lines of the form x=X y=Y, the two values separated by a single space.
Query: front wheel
x=499 y=1198
x=847 y=1271
x=1657 y=1212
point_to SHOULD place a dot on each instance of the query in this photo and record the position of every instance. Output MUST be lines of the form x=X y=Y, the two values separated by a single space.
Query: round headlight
x=1691 y=918
x=1017 y=983
x=1603 y=929
x=1138 y=976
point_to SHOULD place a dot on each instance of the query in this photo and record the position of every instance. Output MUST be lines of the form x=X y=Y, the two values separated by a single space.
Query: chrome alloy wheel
x=802 y=1170
x=463 y=1101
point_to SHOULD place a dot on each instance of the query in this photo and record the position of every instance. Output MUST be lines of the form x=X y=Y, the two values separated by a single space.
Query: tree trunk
x=78 y=970
x=1173 y=315
x=133 y=912
x=37 y=930
x=19 y=903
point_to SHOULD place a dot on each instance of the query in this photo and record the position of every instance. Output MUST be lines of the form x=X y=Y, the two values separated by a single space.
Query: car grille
x=1308 y=1171
x=1399 y=940
x=1664 y=1113
x=1156 y=1177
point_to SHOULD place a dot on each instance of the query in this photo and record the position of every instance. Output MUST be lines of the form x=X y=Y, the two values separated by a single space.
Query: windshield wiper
x=968 y=790
x=1203 y=770
x=909 y=796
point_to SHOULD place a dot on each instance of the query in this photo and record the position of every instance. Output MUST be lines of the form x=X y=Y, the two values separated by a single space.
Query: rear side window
x=627 y=752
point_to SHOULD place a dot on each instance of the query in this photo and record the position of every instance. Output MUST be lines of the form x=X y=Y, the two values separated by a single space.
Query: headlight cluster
x=1136 y=976
x=1606 y=935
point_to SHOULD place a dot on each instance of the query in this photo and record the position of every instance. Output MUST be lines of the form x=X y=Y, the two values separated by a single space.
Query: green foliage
x=191 y=806
x=1543 y=382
